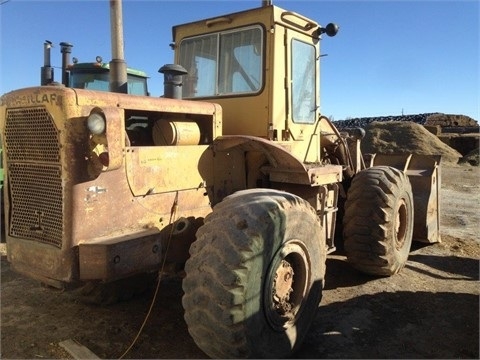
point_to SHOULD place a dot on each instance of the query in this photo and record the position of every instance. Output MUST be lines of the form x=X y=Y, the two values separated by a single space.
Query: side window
x=303 y=82
x=223 y=63
x=136 y=85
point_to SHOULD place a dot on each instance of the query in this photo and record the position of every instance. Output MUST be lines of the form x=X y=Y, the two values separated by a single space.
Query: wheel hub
x=283 y=287
x=288 y=283
x=401 y=225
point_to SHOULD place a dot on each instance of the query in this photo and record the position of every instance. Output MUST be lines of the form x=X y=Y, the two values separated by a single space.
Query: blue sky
x=389 y=57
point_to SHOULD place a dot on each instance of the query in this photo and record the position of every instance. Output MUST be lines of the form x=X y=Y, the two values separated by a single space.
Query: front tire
x=255 y=275
x=378 y=221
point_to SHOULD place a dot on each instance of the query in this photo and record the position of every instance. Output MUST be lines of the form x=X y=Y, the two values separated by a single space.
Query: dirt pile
x=450 y=120
x=401 y=137
x=459 y=132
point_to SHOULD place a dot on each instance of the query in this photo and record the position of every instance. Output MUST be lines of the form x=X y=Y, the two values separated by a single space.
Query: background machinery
x=88 y=75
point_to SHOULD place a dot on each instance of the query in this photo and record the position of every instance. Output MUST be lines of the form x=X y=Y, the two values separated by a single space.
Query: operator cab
x=260 y=65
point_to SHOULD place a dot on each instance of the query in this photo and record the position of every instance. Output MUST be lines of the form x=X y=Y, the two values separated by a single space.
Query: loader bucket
x=424 y=174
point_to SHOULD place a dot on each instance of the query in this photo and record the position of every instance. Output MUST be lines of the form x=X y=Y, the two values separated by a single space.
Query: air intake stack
x=66 y=50
x=46 y=74
x=173 y=80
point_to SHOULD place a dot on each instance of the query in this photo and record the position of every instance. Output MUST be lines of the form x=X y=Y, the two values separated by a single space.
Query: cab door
x=302 y=82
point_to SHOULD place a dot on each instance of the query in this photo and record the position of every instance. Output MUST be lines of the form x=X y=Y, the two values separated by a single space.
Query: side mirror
x=331 y=29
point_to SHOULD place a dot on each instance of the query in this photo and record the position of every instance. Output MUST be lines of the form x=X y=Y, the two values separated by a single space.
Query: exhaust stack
x=46 y=72
x=118 y=67
x=66 y=50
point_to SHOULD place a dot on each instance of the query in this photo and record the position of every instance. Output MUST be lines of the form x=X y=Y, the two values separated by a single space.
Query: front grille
x=34 y=175
x=31 y=135
x=36 y=194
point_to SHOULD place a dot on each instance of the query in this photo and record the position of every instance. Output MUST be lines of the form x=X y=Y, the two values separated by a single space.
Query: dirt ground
x=429 y=310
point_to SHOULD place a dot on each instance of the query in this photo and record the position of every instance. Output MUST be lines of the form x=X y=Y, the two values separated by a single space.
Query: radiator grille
x=34 y=176
x=31 y=135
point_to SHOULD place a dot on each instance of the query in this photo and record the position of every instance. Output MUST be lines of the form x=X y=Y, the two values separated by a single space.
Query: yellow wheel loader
x=233 y=176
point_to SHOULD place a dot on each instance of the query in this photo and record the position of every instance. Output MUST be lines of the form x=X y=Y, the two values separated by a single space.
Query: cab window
x=224 y=63
x=303 y=82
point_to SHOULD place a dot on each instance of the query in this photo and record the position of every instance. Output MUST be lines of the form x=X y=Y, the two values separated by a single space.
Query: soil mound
x=401 y=137
x=450 y=120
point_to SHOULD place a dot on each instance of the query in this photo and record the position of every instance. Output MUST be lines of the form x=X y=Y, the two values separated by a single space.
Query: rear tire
x=255 y=275
x=378 y=221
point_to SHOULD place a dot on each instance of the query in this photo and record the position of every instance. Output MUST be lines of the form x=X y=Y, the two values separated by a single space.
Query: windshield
x=100 y=81
x=224 y=63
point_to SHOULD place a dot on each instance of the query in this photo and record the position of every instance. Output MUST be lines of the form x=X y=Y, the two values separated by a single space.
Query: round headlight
x=96 y=123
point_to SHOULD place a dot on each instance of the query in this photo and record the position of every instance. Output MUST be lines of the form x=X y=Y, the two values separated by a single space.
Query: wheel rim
x=287 y=285
x=401 y=224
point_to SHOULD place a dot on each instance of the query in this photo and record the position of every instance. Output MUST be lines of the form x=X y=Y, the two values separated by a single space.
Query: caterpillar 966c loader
x=239 y=183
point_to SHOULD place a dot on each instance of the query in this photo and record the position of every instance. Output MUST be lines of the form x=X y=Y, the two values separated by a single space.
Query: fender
x=282 y=165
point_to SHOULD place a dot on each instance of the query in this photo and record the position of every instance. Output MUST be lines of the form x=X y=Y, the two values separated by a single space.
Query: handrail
x=218 y=20
x=309 y=23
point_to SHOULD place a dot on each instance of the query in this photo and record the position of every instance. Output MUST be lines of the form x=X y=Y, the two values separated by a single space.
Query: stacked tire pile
x=364 y=121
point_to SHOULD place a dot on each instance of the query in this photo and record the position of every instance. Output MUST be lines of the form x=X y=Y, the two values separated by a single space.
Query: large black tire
x=378 y=221
x=255 y=276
